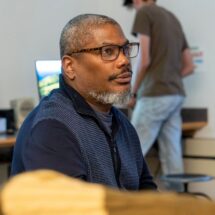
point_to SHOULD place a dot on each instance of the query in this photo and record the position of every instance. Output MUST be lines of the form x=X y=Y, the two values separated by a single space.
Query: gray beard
x=111 y=98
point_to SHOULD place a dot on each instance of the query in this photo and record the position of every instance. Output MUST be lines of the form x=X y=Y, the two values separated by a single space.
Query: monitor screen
x=47 y=72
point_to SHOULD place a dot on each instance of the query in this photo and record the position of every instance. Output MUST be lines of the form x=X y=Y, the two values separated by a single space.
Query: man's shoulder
x=55 y=106
x=55 y=102
x=166 y=12
x=151 y=12
x=151 y=8
x=154 y=9
x=157 y=14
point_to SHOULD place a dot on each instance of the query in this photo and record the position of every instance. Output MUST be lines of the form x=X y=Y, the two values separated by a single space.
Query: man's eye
x=108 y=51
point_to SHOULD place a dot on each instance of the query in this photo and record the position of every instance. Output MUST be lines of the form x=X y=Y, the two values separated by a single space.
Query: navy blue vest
x=95 y=143
x=87 y=131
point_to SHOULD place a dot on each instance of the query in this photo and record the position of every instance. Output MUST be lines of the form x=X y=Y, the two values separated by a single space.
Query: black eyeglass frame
x=120 y=47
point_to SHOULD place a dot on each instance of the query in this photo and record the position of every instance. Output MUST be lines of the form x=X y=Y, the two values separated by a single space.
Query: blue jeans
x=159 y=118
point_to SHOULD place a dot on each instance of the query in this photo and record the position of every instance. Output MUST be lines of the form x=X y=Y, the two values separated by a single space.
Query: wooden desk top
x=189 y=128
x=7 y=140
x=193 y=125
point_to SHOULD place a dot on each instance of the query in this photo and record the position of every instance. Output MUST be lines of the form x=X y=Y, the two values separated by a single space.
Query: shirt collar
x=78 y=101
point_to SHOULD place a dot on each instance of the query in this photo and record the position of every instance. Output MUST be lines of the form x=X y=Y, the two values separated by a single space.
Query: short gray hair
x=79 y=31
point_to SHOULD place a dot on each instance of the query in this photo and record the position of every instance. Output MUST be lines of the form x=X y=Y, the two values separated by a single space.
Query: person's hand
x=131 y=103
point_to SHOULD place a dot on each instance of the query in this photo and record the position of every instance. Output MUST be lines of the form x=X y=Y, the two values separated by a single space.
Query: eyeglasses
x=111 y=52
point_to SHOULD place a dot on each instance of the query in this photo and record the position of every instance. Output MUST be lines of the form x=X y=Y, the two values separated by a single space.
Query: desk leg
x=186 y=188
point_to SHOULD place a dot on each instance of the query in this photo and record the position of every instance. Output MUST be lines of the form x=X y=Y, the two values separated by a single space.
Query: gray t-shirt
x=106 y=118
x=163 y=76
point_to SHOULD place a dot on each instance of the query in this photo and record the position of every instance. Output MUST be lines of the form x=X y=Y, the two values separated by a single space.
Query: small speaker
x=22 y=107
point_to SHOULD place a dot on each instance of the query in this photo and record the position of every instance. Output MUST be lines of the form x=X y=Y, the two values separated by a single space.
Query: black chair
x=185 y=179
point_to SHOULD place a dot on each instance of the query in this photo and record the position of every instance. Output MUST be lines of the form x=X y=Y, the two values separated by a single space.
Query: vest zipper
x=115 y=157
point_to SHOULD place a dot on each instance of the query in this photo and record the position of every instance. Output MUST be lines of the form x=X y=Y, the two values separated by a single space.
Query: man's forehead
x=108 y=29
x=109 y=35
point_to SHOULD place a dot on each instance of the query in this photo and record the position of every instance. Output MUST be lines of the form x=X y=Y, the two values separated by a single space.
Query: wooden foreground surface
x=45 y=192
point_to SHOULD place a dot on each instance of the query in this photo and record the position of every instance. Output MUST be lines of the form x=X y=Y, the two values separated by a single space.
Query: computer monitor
x=47 y=72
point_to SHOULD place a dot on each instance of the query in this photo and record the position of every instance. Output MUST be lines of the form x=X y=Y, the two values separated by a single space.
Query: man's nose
x=123 y=58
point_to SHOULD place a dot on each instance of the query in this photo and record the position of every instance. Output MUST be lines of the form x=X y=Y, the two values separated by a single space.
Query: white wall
x=197 y=19
x=30 y=30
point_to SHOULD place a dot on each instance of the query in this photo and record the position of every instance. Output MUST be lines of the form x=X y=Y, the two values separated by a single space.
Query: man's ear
x=68 y=67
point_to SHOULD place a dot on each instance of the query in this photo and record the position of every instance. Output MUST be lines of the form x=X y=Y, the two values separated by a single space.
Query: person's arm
x=187 y=63
x=52 y=146
x=143 y=62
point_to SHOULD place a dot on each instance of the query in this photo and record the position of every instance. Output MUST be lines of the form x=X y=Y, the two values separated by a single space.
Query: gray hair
x=79 y=31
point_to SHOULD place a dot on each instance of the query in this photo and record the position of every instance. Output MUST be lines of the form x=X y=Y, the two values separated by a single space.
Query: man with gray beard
x=76 y=130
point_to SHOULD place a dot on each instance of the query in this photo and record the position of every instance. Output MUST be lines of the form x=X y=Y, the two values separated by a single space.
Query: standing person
x=76 y=130
x=158 y=92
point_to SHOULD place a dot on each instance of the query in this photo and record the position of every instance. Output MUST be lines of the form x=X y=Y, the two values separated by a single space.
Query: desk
x=7 y=140
x=189 y=128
